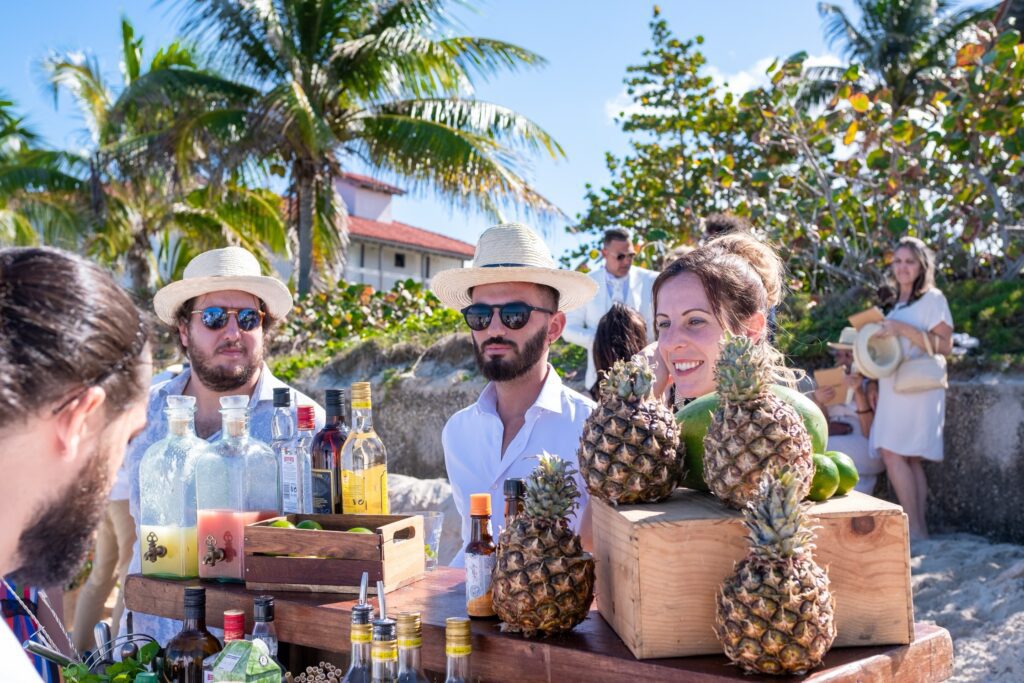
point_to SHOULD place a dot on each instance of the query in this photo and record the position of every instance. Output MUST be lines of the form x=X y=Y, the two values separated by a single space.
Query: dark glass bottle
x=515 y=499
x=326 y=454
x=360 y=636
x=480 y=557
x=193 y=645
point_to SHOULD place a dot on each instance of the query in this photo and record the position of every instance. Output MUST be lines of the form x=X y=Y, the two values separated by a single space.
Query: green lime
x=282 y=524
x=826 y=478
x=848 y=476
x=429 y=551
x=359 y=530
x=309 y=524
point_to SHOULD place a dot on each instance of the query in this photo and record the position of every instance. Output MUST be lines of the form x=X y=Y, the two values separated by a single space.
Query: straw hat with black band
x=512 y=252
x=219 y=270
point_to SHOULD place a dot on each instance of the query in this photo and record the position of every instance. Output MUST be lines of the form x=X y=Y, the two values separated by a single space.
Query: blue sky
x=588 y=45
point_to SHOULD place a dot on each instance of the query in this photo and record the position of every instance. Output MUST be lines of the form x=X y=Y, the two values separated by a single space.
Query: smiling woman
x=727 y=285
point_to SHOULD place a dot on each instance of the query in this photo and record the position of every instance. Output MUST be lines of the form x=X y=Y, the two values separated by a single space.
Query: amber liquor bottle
x=326 y=456
x=480 y=557
x=193 y=645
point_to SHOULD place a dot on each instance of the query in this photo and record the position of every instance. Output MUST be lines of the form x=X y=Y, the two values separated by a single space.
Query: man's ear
x=72 y=424
x=556 y=326
x=183 y=335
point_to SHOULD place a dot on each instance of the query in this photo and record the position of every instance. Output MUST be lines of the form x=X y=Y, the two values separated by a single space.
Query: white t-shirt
x=15 y=665
x=472 y=448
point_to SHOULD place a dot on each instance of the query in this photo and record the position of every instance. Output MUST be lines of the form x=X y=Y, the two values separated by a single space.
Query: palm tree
x=35 y=187
x=136 y=207
x=332 y=81
x=902 y=45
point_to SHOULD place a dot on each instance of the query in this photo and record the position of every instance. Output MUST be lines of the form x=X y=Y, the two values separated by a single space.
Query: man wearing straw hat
x=849 y=421
x=222 y=311
x=513 y=300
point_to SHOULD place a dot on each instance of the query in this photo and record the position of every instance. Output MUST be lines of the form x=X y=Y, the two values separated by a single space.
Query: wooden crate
x=333 y=560
x=659 y=567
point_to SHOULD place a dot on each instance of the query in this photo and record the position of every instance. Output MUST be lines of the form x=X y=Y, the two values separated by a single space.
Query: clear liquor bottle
x=360 y=637
x=167 y=495
x=282 y=432
x=193 y=646
x=304 y=453
x=326 y=455
x=364 y=460
x=236 y=485
x=410 y=645
x=458 y=646
x=384 y=651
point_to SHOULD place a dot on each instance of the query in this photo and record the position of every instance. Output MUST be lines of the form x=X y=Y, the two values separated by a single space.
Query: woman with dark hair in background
x=908 y=426
x=621 y=334
x=75 y=363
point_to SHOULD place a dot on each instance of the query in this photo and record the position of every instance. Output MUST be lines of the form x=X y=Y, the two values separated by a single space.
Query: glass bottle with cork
x=194 y=646
x=360 y=636
x=364 y=460
x=236 y=485
x=458 y=646
x=326 y=455
x=410 y=644
x=480 y=557
x=167 y=478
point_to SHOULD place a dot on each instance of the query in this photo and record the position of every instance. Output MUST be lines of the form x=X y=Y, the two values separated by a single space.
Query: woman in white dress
x=908 y=426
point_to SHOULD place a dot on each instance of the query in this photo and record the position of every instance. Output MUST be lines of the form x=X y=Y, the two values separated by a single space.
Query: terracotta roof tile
x=372 y=183
x=401 y=233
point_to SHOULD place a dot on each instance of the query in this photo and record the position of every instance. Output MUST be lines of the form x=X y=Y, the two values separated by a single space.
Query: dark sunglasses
x=623 y=257
x=513 y=315
x=216 y=317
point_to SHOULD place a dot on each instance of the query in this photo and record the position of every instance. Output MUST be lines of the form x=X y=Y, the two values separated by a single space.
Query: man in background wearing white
x=619 y=280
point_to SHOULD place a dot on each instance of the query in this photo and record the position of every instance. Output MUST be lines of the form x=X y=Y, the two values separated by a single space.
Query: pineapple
x=543 y=582
x=753 y=430
x=630 y=450
x=775 y=614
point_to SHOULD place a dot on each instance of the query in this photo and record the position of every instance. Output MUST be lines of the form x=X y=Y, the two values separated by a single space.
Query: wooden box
x=659 y=568
x=333 y=560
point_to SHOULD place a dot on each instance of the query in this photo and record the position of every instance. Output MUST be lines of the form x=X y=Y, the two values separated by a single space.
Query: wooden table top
x=592 y=652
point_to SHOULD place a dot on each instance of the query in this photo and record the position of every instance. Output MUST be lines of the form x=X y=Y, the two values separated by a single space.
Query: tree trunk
x=304 y=189
x=139 y=268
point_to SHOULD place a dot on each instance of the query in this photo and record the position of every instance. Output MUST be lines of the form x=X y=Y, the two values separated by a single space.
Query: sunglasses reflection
x=216 y=317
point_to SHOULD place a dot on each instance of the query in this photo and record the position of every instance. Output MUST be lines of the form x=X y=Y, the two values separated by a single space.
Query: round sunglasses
x=216 y=317
x=513 y=315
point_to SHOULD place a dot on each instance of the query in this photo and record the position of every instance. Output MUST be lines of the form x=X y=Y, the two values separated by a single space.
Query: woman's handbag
x=921 y=374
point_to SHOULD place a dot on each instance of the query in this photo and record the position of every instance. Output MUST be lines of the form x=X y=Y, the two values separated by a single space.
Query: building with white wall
x=382 y=251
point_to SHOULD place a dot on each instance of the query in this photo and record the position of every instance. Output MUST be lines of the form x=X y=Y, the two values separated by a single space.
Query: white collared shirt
x=617 y=286
x=472 y=447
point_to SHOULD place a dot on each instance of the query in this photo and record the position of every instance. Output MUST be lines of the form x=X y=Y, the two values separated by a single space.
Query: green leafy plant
x=119 y=672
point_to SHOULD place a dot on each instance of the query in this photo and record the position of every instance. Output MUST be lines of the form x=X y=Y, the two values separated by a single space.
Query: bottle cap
x=282 y=397
x=307 y=417
x=479 y=504
x=234 y=624
x=195 y=596
x=263 y=608
x=515 y=488
x=458 y=641
x=334 y=397
x=234 y=402
x=361 y=614
x=361 y=395
x=409 y=625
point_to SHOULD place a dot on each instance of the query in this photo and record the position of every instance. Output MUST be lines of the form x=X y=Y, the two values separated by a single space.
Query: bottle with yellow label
x=458 y=646
x=384 y=651
x=364 y=461
x=410 y=644
x=360 y=636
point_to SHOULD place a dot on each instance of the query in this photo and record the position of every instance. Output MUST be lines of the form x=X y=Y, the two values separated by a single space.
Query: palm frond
x=80 y=76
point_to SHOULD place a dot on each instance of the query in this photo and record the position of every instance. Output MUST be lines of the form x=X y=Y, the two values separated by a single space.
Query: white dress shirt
x=581 y=323
x=472 y=448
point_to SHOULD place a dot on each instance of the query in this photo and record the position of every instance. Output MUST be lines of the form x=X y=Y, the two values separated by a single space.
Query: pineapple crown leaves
x=743 y=370
x=777 y=522
x=629 y=379
x=551 y=492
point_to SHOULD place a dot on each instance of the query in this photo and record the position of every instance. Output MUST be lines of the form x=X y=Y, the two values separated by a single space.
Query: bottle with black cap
x=384 y=651
x=360 y=636
x=193 y=646
x=263 y=627
x=326 y=455
x=282 y=432
x=515 y=499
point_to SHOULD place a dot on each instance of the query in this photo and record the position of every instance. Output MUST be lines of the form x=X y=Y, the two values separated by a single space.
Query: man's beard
x=56 y=542
x=504 y=369
x=218 y=378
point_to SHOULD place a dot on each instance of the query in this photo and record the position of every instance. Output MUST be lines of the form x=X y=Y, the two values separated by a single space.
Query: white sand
x=975 y=589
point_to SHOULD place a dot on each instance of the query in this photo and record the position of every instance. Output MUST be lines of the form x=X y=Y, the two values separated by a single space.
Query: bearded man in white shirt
x=513 y=299
x=618 y=281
